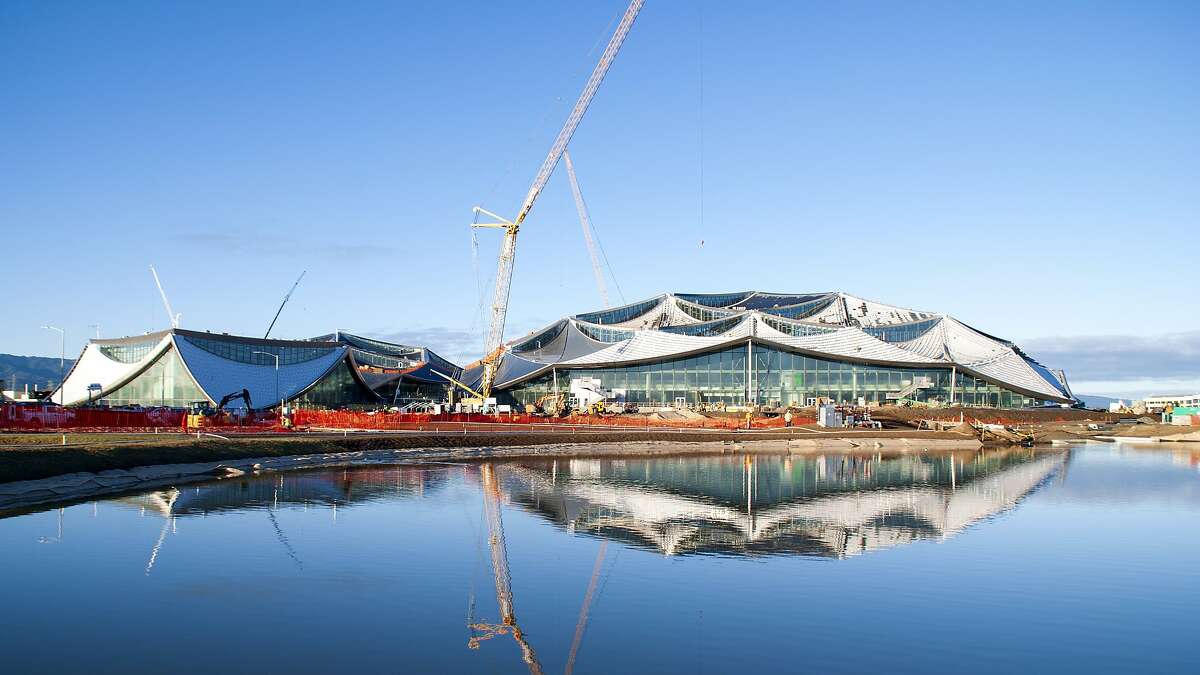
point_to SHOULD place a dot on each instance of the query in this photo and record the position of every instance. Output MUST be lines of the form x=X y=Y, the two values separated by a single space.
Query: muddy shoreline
x=191 y=461
x=41 y=457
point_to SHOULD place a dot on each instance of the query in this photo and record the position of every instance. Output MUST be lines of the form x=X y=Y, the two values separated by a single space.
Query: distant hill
x=1097 y=402
x=36 y=371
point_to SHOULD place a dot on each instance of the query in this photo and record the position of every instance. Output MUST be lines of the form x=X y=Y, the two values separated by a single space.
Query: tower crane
x=585 y=221
x=494 y=348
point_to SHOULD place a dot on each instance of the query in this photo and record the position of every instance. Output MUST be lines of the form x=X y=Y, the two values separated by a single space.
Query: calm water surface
x=1081 y=560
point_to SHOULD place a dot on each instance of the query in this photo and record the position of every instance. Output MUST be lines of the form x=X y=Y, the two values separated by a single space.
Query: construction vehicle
x=201 y=414
x=550 y=405
x=599 y=409
x=494 y=349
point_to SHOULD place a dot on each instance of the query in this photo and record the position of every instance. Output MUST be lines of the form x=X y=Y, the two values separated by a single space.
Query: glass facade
x=767 y=300
x=620 y=314
x=384 y=361
x=795 y=328
x=602 y=334
x=702 y=313
x=131 y=353
x=243 y=352
x=715 y=299
x=799 y=310
x=541 y=339
x=901 y=332
x=165 y=383
x=707 y=329
x=337 y=389
x=768 y=376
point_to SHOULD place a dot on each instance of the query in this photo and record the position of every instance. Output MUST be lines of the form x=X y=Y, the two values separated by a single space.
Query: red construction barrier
x=41 y=417
x=48 y=417
x=344 y=419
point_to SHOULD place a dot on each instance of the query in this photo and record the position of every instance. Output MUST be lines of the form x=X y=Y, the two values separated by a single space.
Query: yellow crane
x=494 y=349
x=504 y=598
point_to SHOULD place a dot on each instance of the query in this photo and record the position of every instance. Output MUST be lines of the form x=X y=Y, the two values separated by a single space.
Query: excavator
x=201 y=414
x=550 y=405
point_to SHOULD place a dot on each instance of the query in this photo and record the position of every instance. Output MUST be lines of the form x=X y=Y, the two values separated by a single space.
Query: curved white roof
x=214 y=370
x=834 y=325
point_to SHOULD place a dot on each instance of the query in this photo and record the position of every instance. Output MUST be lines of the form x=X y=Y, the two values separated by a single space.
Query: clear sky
x=1028 y=167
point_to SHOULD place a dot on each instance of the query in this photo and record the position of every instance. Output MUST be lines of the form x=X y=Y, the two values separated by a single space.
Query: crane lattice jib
x=585 y=221
x=508 y=248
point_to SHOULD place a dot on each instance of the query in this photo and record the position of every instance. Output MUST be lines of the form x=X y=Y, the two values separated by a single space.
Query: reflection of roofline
x=663 y=520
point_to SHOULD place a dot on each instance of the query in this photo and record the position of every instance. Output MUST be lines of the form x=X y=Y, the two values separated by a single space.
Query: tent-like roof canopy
x=831 y=325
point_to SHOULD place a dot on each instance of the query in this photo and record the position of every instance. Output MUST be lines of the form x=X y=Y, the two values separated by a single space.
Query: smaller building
x=1157 y=404
x=175 y=368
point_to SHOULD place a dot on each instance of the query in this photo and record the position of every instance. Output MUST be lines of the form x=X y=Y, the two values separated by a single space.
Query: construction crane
x=585 y=221
x=285 y=301
x=166 y=303
x=494 y=348
x=508 y=619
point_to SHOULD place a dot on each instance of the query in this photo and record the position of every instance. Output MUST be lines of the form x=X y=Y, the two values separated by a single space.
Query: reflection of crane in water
x=504 y=598
x=583 y=611
x=508 y=619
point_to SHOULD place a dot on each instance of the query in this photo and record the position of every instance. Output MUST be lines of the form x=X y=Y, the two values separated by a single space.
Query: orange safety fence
x=24 y=417
x=48 y=417
x=344 y=419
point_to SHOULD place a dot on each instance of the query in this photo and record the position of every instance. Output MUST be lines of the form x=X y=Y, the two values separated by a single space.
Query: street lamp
x=62 y=358
x=276 y=357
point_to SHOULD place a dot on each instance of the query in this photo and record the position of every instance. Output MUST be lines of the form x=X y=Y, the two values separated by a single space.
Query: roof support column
x=751 y=371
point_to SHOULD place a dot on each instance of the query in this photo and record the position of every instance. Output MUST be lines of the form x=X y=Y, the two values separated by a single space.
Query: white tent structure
x=860 y=336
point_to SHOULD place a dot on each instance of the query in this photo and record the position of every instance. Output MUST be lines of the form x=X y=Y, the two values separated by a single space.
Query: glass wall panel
x=779 y=378
x=165 y=383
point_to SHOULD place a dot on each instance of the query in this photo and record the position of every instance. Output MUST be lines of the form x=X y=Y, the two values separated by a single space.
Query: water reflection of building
x=832 y=506
x=321 y=487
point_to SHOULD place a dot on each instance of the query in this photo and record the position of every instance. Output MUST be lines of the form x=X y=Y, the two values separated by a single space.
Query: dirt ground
x=42 y=455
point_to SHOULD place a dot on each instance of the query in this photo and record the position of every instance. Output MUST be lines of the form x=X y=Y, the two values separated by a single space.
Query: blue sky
x=1030 y=168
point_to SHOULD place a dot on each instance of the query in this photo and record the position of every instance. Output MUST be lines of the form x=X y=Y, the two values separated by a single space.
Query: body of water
x=1076 y=560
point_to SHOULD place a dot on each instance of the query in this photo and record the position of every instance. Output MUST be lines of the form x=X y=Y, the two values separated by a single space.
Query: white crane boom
x=285 y=301
x=585 y=221
x=166 y=303
x=508 y=249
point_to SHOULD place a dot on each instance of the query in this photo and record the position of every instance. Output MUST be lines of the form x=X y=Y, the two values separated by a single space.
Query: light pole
x=97 y=327
x=276 y=357
x=62 y=358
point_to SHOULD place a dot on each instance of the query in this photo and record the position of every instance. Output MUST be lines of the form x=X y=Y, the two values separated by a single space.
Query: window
x=128 y=353
x=620 y=314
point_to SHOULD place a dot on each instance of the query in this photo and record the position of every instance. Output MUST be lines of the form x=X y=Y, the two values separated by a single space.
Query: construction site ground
x=27 y=456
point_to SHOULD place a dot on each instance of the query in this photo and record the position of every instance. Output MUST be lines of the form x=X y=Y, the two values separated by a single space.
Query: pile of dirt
x=1051 y=435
